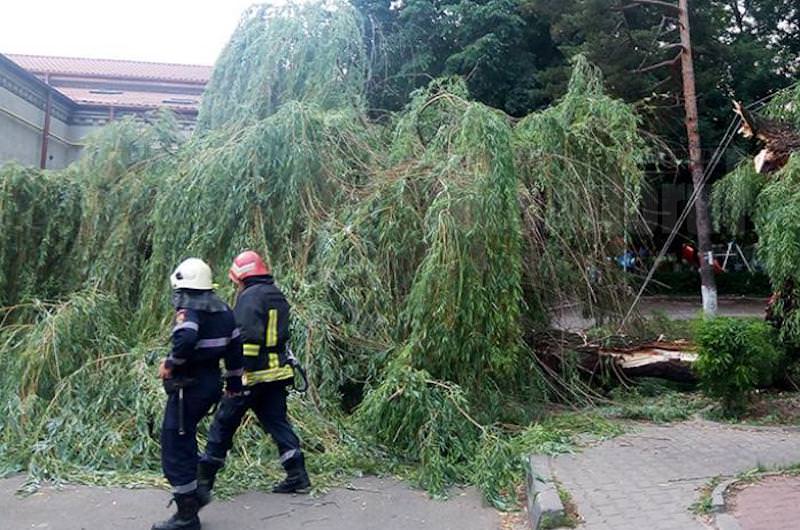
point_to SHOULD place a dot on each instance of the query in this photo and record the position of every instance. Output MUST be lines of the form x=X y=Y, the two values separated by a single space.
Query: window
x=180 y=101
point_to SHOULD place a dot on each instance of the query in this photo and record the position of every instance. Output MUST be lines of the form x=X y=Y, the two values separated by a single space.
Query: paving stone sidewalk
x=770 y=504
x=649 y=478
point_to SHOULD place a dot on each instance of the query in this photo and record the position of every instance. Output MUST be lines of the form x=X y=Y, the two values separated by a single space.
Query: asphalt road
x=676 y=308
x=369 y=503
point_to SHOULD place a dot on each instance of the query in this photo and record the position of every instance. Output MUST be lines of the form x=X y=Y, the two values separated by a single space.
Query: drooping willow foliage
x=39 y=217
x=580 y=163
x=300 y=52
x=416 y=255
x=773 y=203
x=89 y=224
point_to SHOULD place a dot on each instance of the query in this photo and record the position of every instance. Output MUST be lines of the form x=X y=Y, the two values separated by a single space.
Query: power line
x=715 y=159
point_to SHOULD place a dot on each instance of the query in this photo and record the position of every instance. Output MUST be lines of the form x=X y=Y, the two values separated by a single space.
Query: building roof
x=121 y=84
x=113 y=68
x=132 y=99
x=34 y=81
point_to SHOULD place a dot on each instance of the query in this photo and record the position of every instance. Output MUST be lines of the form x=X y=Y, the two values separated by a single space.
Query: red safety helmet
x=246 y=265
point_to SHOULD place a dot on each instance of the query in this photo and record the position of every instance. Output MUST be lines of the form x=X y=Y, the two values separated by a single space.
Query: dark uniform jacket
x=262 y=314
x=204 y=332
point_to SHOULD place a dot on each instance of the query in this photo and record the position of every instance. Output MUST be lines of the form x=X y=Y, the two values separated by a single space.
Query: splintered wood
x=668 y=360
x=780 y=139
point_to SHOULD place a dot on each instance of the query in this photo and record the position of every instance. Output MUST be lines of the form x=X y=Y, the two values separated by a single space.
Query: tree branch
x=628 y=32
x=669 y=62
x=658 y=3
x=737 y=14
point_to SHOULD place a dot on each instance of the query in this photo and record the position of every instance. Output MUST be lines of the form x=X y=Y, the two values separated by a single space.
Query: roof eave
x=27 y=76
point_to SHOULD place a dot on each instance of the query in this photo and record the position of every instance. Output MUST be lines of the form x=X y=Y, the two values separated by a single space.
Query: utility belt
x=195 y=369
x=267 y=366
x=174 y=385
x=177 y=385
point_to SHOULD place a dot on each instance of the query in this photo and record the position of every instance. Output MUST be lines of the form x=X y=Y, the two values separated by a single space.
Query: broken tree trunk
x=780 y=139
x=671 y=360
x=665 y=360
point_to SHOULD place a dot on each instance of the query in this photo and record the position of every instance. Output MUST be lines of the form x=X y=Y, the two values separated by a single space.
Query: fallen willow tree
x=772 y=201
x=417 y=256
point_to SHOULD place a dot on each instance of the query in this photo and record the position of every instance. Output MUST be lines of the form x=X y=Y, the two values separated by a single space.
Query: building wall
x=22 y=116
x=20 y=138
x=74 y=115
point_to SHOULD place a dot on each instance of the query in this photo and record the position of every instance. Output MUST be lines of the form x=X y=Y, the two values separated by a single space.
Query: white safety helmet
x=192 y=273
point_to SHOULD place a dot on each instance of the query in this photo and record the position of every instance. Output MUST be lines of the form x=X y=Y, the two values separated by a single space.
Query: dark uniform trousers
x=179 y=451
x=268 y=403
x=262 y=314
x=205 y=331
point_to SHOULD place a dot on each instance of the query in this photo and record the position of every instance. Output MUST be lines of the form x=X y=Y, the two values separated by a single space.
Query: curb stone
x=718 y=495
x=722 y=520
x=544 y=503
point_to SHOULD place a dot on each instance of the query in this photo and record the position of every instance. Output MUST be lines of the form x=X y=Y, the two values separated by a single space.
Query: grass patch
x=665 y=408
x=655 y=327
x=569 y=518
x=660 y=326
x=565 y=432
x=703 y=505
x=762 y=471
x=654 y=400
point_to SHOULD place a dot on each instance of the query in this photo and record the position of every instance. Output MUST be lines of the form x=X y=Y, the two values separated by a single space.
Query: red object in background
x=690 y=254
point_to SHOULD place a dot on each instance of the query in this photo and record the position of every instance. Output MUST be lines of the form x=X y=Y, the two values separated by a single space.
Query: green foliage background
x=515 y=54
x=417 y=253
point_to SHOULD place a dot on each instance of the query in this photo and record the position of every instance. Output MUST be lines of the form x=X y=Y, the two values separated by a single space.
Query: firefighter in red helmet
x=262 y=314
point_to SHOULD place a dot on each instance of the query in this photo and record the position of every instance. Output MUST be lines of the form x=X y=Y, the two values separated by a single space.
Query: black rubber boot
x=206 y=475
x=296 y=480
x=186 y=516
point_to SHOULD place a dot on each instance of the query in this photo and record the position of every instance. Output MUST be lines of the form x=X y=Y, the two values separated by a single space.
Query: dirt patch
x=766 y=504
x=774 y=408
x=518 y=520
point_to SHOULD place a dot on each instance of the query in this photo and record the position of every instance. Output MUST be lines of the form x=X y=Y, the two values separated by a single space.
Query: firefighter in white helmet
x=204 y=331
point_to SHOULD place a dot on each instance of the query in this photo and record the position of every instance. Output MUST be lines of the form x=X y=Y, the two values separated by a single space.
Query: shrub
x=735 y=357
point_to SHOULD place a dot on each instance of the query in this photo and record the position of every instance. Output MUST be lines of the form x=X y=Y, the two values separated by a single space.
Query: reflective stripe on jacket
x=262 y=314
x=200 y=339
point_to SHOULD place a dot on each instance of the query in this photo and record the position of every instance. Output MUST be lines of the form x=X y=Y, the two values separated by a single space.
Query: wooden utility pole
x=708 y=284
